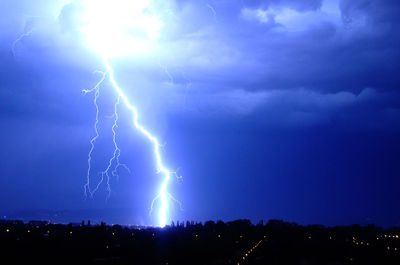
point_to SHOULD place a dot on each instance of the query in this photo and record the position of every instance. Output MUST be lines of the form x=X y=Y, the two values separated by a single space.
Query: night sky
x=268 y=109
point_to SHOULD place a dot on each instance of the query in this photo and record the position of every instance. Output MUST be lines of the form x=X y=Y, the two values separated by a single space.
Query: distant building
x=12 y=222
x=38 y=223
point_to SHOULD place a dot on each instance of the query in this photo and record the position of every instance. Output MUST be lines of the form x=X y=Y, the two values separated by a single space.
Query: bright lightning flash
x=121 y=28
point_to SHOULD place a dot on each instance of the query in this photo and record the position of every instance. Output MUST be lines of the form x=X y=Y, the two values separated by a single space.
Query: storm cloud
x=304 y=69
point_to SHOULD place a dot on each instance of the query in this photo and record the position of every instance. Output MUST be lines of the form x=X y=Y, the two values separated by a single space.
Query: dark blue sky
x=269 y=109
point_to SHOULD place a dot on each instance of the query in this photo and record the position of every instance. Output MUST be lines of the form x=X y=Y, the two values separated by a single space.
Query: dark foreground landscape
x=237 y=242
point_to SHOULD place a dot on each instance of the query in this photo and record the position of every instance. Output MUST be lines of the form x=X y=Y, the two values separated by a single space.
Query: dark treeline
x=237 y=242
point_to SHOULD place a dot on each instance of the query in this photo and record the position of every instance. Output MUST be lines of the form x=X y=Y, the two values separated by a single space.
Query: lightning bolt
x=111 y=32
x=116 y=153
x=98 y=15
x=187 y=88
x=96 y=90
x=166 y=71
x=24 y=35
x=213 y=11
x=163 y=195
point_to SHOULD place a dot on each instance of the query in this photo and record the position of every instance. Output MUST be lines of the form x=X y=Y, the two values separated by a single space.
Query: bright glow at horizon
x=120 y=28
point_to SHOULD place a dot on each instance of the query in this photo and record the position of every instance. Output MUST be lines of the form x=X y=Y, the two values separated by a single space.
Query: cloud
x=298 y=108
x=300 y=5
x=255 y=56
x=291 y=19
